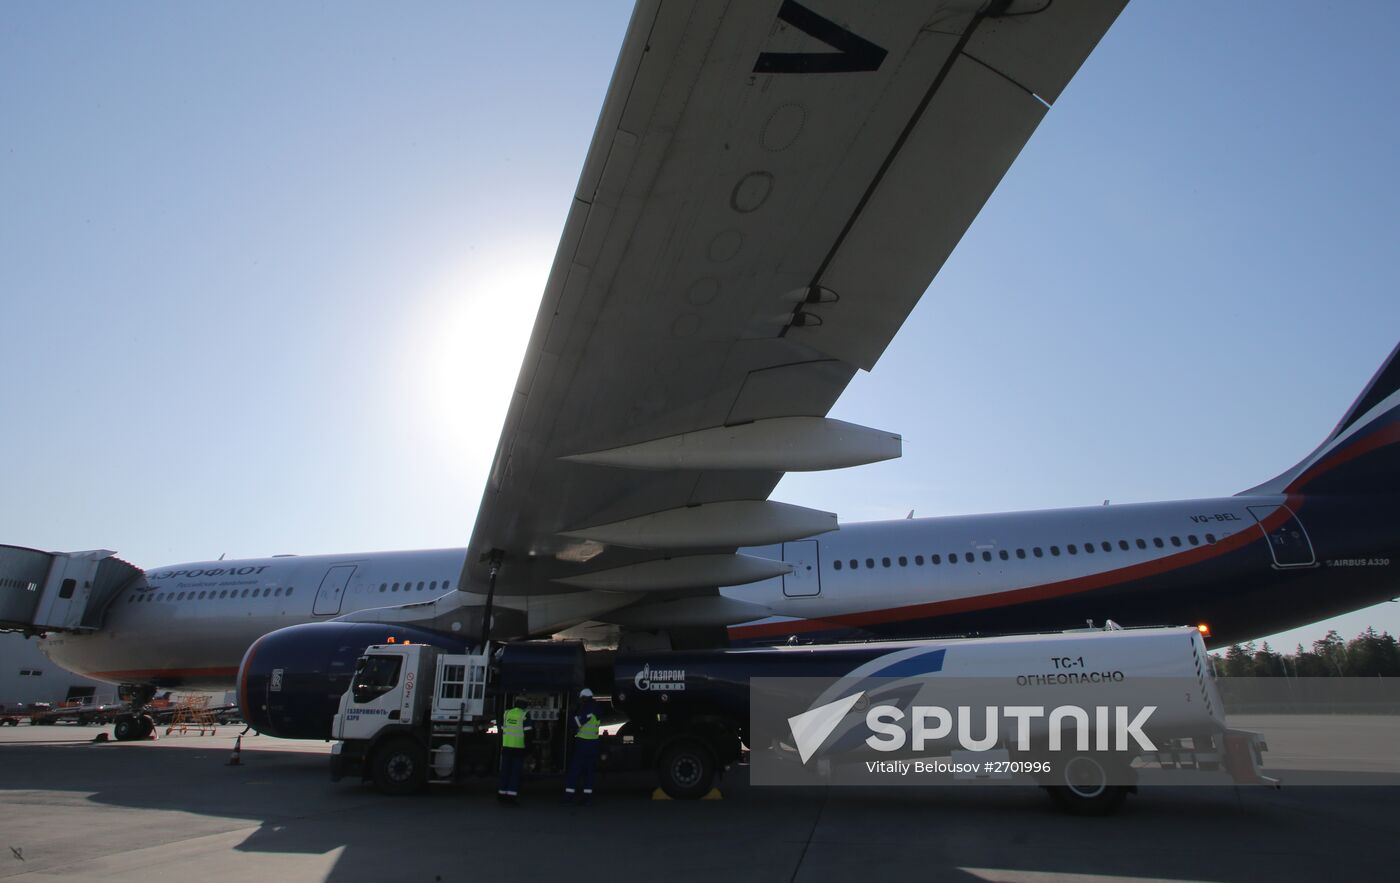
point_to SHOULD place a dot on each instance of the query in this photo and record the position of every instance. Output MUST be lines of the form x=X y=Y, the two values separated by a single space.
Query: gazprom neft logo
x=924 y=727
x=657 y=680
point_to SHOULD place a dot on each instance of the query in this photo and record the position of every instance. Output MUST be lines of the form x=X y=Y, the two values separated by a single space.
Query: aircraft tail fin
x=1362 y=455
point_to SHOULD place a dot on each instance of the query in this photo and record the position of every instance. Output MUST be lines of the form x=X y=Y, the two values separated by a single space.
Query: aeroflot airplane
x=1313 y=542
x=770 y=189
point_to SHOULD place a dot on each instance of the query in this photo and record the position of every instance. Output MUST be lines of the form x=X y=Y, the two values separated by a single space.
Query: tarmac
x=173 y=809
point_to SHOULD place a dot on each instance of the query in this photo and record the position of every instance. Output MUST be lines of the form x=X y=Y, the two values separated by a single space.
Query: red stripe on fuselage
x=1075 y=585
x=1387 y=435
x=142 y=674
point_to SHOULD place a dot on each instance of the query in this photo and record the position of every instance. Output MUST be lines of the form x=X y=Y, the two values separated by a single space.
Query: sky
x=267 y=270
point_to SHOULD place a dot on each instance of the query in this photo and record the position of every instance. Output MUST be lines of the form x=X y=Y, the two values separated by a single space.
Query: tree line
x=1368 y=655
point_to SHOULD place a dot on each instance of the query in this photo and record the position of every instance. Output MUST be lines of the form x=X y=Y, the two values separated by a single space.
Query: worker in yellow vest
x=515 y=723
x=583 y=758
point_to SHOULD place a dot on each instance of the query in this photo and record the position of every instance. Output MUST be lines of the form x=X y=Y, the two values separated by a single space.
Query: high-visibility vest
x=589 y=728
x=513 y=729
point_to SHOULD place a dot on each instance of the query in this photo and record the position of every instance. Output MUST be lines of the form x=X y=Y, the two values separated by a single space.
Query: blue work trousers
x=581 y=766
x=512 y=760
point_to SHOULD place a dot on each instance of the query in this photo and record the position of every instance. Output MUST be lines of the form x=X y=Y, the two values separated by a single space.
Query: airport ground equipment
x=45 y=592
x=416 y=714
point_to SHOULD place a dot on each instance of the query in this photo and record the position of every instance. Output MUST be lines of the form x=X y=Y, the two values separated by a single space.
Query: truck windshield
x=375 y=676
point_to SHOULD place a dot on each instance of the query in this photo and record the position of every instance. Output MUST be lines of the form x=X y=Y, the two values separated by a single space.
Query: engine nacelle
x=291 y=680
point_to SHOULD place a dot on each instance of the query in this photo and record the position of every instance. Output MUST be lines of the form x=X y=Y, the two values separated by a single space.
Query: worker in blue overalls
x=584 y=757
x=514 y=724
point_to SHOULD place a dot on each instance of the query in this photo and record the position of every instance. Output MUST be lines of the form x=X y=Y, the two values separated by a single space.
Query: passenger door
x=805 y=580
x=1288 y=541
x=332 y=590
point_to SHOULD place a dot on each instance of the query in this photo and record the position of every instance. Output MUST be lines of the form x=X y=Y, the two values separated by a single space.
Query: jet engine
x=291 y=680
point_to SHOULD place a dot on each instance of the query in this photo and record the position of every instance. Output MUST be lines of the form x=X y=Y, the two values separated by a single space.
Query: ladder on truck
x=43 y=592
x=459 y=706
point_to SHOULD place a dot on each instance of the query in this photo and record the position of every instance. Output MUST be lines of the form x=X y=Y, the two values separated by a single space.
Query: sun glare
x=470 y=333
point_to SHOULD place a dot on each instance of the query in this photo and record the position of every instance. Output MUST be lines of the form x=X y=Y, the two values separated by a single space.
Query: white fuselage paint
x=193 y=622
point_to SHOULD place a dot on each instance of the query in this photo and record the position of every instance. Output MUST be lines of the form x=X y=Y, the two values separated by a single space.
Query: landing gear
x=135 y=724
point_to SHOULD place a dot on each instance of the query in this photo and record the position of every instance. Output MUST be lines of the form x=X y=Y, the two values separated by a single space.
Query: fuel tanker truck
x=1079 y=712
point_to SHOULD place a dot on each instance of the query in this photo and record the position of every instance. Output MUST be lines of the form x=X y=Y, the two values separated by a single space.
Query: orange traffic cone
x=237 y=752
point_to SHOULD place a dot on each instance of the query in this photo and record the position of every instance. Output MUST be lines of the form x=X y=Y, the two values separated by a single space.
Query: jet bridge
x=59 y=591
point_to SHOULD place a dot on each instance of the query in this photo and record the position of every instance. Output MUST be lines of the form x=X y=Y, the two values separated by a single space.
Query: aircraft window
x=420 y=585
x=885 y=562
x=1088 y=548
x=1055 y=550
x=952 y=557
x=986 y=556
x=160 y=597
x=1004 y=555
x=919 y=560
x=1020 y=553
x=1210 y=538
x=1176 y=541
x=444 y=585
x=245 y=594
x=432 y=586
x=870 y=562
x=290 y=589
x=223 y=594
x=1141 y=543
x=855 y=565
x=1123 y=544
x=1157 y=541
x=130 y=598
x=1073 y=549
x=1037 y=552
x=967 y=556
x=1106 y=546
x=1191 y=538
x=836 y=565
x=180 y=597
x=935 y=559
x=903 y=562
x=395 y=588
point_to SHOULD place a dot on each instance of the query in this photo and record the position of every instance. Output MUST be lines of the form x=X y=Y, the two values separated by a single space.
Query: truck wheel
x=146 y=728
x=1083 y=786
x=399 y=767
x=127 y=729
x=686 y=770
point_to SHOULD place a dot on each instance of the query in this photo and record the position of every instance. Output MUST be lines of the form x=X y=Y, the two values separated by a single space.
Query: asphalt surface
x=173 y=809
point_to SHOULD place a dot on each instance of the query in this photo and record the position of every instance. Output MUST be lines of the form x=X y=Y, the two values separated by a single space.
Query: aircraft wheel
x=399 y=767
x=127 y=728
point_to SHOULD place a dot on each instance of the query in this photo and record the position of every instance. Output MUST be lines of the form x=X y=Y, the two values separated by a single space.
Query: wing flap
x=770 y=189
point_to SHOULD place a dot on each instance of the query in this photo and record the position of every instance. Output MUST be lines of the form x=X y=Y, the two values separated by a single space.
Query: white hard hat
x=585 y=693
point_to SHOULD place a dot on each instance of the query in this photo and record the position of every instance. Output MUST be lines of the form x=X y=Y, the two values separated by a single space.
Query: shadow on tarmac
x=281 y=803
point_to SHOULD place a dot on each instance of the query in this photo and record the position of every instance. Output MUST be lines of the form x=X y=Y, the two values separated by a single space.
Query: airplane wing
x=770 y=188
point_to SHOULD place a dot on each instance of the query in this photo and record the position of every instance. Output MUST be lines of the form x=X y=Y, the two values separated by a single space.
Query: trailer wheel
x=686 y=770
x=127 y=729
x=399 y=767
x=1083 y=786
